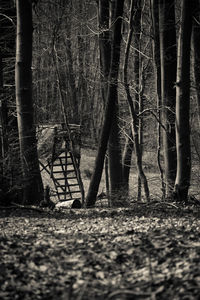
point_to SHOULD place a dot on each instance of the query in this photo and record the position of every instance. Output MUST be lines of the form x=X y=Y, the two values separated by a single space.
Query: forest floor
x=146 y=251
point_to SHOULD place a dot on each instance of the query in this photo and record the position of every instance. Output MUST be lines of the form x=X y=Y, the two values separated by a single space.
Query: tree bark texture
x=167 y=29
x=32 y=182
x=10 y=143
x=127 y=157
x=182 y=182
x=110 y=105
x=138 y=99
x=196 y=49
x=156 y=55
x=132 y=107
x=1 y=133
x=135 y=31
x=114 y=145
x=115 y=158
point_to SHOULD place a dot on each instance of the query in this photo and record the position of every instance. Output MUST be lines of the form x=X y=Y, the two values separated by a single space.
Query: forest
x=127 y=76
x=99 y=149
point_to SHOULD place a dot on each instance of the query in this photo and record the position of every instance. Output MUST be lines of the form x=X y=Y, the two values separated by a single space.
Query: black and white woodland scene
x=99 y=149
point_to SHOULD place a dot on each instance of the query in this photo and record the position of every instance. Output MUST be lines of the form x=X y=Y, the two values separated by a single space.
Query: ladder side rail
x=65 y=174
x=53 y=150
x=78 y=175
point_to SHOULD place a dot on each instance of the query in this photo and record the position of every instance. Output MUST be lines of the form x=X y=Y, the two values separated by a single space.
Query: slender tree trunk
x=104 y=45
x=156 y=54
x=10 y=143
x=115 y=159
x=168 y=92
x=111 y=98
x=114 y=145
x=196 y=49
x=129 y=147
x=1 y=131
x=137 y=78
x=33 y=188
x=127 y=157
x=133 y=109
x=105 y=60
x=182 y=182
x=83 y=88
x=72 y=82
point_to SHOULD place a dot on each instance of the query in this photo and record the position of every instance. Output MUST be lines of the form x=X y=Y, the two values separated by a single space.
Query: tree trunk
x=72 y=83
x=10 y=143
x=33 y=188
x=1 y=131
x=182 y=182
x=135 y=22
x=115 y=158
x=104 y=45
x=127 y=157
x=110 y=105
x=196 y=49
x=105 y=60
x=132 y=107
x=168 y=62
x=156 y=55
x=114 y=146
x=138 y=101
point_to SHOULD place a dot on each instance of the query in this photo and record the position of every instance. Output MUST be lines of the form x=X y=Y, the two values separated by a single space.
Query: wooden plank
x=63 y=172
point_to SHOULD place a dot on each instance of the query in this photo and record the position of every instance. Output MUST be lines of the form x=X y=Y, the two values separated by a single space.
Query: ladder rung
x=60 y=163
x=68 y=193
x=61 y=171
x=59 y=178
x=61 y=185
x=65 y=200
x=63 y=193
x=67 y=164
x=66 y=185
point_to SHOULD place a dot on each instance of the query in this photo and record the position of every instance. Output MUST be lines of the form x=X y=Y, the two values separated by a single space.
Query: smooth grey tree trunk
x=156 y=55
x=196 y=49
x=182 y=182
x=133 y=109
x=110 y=104
x=114 y=145
x=168 y=65
x=32 y=182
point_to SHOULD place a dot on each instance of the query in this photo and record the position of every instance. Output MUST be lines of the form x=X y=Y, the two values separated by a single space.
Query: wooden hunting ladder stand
x=65 y=164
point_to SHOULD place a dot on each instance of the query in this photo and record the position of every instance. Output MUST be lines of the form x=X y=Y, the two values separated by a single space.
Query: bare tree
x=114 y=146
x=182 y=182
x=110 y=105
x=196 y=49
x=132 y=107
x=156 y=55
x=33 y=188
x=168 y=64
x=8 y=120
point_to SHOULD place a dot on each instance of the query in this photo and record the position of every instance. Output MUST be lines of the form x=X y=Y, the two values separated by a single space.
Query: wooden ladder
x=65 y=172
